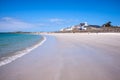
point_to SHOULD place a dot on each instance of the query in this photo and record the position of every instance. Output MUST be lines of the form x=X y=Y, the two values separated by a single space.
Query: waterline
x=21 y=53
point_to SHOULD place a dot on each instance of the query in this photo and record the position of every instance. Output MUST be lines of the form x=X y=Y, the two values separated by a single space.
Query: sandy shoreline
x=21 y=53
x=69 y=57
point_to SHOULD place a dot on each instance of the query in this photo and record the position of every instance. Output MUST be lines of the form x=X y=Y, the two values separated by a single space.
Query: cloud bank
x=11 y=24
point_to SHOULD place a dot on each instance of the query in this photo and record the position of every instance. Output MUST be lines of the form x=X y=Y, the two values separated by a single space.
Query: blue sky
x=52 y=15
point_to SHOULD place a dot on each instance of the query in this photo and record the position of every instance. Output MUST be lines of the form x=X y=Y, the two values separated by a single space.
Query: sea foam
x=20 y=53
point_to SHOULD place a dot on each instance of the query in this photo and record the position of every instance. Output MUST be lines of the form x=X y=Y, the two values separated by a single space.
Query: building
x=81 y=26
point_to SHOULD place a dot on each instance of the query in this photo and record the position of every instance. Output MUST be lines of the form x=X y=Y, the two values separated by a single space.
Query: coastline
x=21 y=53
x=69 y=56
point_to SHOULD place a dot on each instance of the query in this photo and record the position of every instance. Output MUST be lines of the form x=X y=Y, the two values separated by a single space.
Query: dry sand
x=69 y=56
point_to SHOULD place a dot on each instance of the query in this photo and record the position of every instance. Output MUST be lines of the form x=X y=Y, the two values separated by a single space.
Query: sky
x=52 y=15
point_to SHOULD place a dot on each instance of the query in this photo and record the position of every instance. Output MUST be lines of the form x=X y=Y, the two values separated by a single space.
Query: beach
x=69 y=56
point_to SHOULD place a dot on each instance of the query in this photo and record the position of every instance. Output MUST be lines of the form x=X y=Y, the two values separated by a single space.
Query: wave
x=19 y=54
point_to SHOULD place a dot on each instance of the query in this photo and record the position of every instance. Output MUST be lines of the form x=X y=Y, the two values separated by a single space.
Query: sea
x=15 y=45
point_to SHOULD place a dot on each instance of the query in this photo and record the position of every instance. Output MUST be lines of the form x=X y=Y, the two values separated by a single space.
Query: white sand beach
x=69 y=56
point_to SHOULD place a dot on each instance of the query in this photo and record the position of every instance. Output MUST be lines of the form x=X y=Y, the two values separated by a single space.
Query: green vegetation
x=108 y=24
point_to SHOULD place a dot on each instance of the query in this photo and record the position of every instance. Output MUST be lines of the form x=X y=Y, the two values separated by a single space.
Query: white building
x=67 y=29
x=86 y=24
x=81 y=26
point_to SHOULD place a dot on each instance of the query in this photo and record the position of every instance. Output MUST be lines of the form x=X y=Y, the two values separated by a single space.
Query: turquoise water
x=10 y=43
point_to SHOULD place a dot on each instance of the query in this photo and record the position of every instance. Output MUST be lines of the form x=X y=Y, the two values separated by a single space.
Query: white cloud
x=11 y=24
x=62 y=21
x=56 y=20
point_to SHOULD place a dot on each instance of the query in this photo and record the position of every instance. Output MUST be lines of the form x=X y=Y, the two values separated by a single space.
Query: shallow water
x=13 y=44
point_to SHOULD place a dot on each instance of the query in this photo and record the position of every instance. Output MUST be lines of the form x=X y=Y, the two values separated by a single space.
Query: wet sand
x=69 y=57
